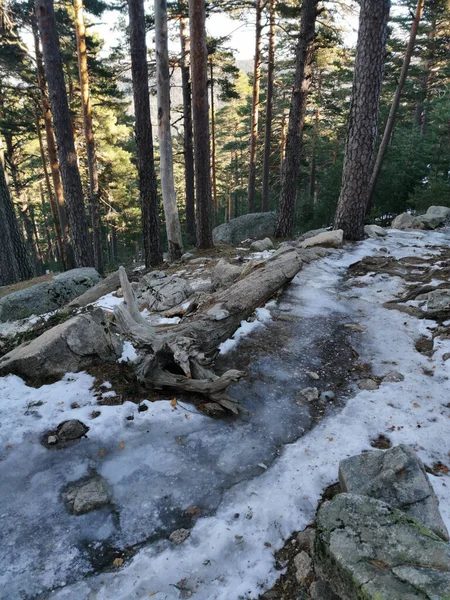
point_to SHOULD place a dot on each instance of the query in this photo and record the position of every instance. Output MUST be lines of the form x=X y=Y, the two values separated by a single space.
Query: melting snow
x=260 y=483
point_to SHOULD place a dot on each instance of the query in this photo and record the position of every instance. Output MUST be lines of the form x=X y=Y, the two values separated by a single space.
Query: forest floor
x=241 y=486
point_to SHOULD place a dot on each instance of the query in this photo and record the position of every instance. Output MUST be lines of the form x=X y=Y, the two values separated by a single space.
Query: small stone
x=187 y=256
x=446 y=356
x=313 y=375
x=383 y=249
x=179 y=536
x=393 y=377
x=52 y=439
x=87 y=494
x=262 y=245
x=130 y=418
x=74 y=405
x=142 y=407
x=303 y=564
x=95 y=414
x=71 y=430
x=309 y=394
x=368 y=385
x=305 y=539
x=328 y=396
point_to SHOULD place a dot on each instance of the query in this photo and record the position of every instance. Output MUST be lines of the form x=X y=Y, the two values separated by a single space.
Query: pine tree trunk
x=312 y=171
x=37 y=245
x=53 y=251
x=144 y=136
x=73 y=191
x=94 y=199
x=188 y=134
x=283 y=142
x=199 y=77
x=51 y=198
x=165 y=136
x=25 y=215
x=9 y=270
x=213 y=144
x=269 y=107
x=255 y=111
x=302 y=82
x=363 y=122
x=15 y=257
x=396 y=102
x=67 y=256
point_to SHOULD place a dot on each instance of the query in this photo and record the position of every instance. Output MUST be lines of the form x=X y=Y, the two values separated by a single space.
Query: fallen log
x=181 y=356
x=105 y=286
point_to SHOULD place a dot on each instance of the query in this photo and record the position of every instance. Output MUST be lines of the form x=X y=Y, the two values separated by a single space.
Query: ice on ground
x=256 y=479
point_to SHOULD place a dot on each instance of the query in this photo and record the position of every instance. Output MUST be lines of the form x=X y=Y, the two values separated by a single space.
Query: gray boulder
x=328 y=239
x=68 y=347
x=438 y=303
x=47 y=296
x=436 y=216
x=253 y=225
x=375 y=231
x=224 y=274
x=158 y=291
x=398 y=478
x=406 y=221
x=87 y=494
x=311 y=233
x=262 y=245
x=366 y=549
x=307 y=255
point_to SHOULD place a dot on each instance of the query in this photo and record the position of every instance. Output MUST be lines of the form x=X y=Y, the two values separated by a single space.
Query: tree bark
x=294 y=140
x=283 y=142
x=165 y=136
x=312 y=171
x=396 y=102
x=73 y=191
x=67 y=256
x=213 y=143
x=269 y=107
x=255 y=110
x=363 y=122
x=188 y=133
x=94 y=199
x=202 y=152
x=144 y=137
x=51 y=198
x=15 y=260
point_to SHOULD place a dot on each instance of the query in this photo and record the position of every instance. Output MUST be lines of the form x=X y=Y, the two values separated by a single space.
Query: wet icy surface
x=169 y=459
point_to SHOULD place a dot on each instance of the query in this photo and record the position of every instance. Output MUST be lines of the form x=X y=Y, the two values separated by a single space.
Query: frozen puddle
x=256 y=479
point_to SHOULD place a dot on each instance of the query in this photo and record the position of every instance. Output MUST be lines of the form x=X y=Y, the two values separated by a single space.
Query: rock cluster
x=436 y=216
x=383 y=538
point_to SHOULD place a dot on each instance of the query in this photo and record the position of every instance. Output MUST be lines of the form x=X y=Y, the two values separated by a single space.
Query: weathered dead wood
x=103 y=287
x=193 y=344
